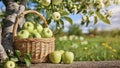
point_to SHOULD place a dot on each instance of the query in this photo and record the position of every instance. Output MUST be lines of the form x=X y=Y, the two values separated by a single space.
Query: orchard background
x=91 y=46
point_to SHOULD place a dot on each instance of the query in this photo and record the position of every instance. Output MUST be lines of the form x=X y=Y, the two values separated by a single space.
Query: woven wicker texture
x=38 y=48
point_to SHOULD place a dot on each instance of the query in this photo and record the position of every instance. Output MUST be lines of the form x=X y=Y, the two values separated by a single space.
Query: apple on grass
x=9 y=64
x=67 y=57
x=47 y=33
x=39 y=28
x=61 y=51
x=55 y=57
x=28 y=26
x=23 y=34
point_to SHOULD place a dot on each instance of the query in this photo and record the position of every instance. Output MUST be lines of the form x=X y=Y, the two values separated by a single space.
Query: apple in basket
x=9 y=64
x=55 y=57
x=35 y=34
x=23 y=34
x=67 y=57
x=39 y=27
x=28 y=26
x=47 y=33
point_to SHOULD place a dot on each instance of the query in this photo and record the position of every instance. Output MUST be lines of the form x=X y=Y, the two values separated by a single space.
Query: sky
x=115 y=21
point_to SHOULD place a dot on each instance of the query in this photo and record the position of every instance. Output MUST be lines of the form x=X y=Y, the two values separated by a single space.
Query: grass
x=91 y=48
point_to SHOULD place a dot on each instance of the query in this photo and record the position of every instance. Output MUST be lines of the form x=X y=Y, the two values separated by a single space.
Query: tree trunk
x=3 y=54
x=12 y=10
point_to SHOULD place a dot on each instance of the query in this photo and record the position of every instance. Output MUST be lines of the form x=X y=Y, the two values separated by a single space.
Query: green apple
x=61 y=51
x=23 y=34
x=28 y=26
x=39 y=27
x=46 y=2
x=56 y=2
x=55 y=57
x=56 y=16
x=67 y=57
x=30 y=36
x=34 y=31
x=9 y=64
x=35 y=34
x=47 y=33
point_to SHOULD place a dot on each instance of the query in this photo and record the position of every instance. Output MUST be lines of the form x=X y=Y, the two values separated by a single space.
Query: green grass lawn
x=90 y=48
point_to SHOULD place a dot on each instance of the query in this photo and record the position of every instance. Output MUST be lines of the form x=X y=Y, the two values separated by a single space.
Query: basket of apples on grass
x=33 y=38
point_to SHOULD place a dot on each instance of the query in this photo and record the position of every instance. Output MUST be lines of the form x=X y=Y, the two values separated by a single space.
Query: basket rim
x=34 y=39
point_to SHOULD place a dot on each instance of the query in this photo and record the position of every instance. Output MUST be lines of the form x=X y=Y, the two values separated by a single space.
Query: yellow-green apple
x=56 y=2
x=34 y=34
x=47 y=33
x=61 y=51
x=9 y=64
x=39 y=27
x=67 y=57
x=55 y=57
x=23 y=34
x=46 y=2
x=56 y=16
x=28 y=26
x=30 y=36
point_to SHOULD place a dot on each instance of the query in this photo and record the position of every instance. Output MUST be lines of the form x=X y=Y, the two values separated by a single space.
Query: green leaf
x=62 y=22
x=82 y=22
x=69 y=20
x=57 y=24
x=27 y=56
x=95 y=20
x=27 y=62
x=64 y=13
x=101 y=17
x=91 y=13
x=15 y=59
x=18 y=53
x=87 y=21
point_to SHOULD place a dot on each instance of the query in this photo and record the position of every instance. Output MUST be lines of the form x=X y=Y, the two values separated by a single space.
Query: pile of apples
x=34 y=30
x=60 y=56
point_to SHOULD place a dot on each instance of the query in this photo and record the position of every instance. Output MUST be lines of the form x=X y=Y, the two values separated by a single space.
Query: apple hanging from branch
x=56 y=16
x=56 y=2
x=46 y=2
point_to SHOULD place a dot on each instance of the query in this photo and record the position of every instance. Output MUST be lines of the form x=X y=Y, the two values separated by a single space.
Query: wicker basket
x=38 y=48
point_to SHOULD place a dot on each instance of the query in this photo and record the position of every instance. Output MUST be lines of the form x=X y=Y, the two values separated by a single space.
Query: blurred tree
x=75 y=30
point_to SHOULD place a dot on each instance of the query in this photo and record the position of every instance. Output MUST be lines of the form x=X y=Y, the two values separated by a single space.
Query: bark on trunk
x=12 y=10
x=3 y=54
